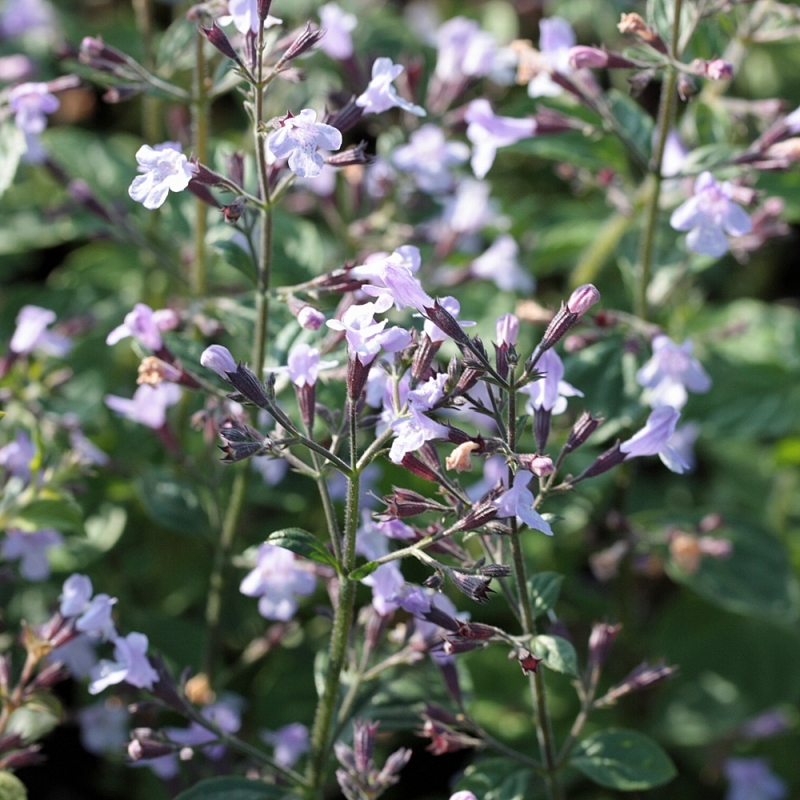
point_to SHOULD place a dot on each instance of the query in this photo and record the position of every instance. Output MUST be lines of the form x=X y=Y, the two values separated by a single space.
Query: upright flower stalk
x=654 y=179
x=200 y=109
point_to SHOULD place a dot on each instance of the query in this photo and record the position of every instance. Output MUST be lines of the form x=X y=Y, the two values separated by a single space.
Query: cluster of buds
x=359 y=778
x=445 y=731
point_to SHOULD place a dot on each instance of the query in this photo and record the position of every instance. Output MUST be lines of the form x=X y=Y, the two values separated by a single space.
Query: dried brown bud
x=634 y=25
x=461 y=458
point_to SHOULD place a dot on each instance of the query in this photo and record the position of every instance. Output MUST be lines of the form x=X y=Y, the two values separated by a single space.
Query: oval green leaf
x=624 y=760
x=233 y=789
x=558 y=654
x=544 y=590
x=303 y=544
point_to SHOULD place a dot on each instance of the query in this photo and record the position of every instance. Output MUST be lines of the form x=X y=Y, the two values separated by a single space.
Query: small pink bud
x=538 y=465
x=582 y=299
x=719 y=70
x=310 y=318
x=588 y=57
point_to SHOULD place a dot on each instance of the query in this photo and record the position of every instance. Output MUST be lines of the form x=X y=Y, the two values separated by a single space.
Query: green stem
x=264 y=266
x=543 y=725
x=330 y=511
x=342 y=622
x=200 y=147
x=151 y=127
x=653 y=181
x=216 y=582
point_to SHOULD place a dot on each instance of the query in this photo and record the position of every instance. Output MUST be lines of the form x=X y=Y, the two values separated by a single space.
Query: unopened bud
x=310 y=318
x=198 y=690
x=304 y=42
x=217 y=37
x=538 y=465
x=473 y=586
x=541 y=427
x=719 y=70
x=406 y=503
x=22 y=758
x=507 y=330
x=51 y=675
x=219 y=359
x=600 y=641
x=583 y=428
x=582 y=299
x=477 y=517
x=352 y=157
x=595 y=58
x=262 y=8
x=423 y=357
x=444 y=320
x=248 y=386
x=418 y=468
x=644 y=676
x=93 y=50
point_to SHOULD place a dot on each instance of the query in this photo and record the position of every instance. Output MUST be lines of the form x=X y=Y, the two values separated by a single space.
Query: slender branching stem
x=200 y=124
x=342 y=622
x=653 y=180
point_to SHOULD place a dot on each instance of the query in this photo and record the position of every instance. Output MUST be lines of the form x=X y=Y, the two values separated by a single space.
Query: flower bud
x=719 y=70
x=310 y=318
x=262 y=8
x=600 y=641
x=582 y=299
x=541 y=427
x=538 y=465
x=217 y=37
x=249 y=387
x=304 y=42
x=22 y=758
x=444 y=320
x=418 y=468
x=603 y=463
x=473 y=586
x=583 y=428
x=423 y=357
x=634 y=25
x=352 y=157
x=93 y=50
x=507 y=330
x=640 y=678
x=595 y=58
x=219 y=359
x=148 y=748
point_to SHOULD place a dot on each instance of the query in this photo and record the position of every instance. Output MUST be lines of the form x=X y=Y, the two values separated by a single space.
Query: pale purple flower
x=752 y=779
x=365 y=337
x=276 y=580
x=682 y=442
x=468 y=210
x=495 y=470
x=75 y=595
x=654 y=438
x=766 y=725
x=407 y=255
x=428 y=393
x=31 y=333
x=488 y=132
x=550 y=392
x=145 y=325
x=675 y=152
x=429 y=158
x=165 y=169
x=393 y=278
x=148 y=405
x=15 y=67
x=556 y=38
x=104 y=727
x=31 y=550
x=130 y=665
x=412 y=431
x=31 y=103
x=19 y=17
x=16 y=457
x=290 y=742
x=450 y=304
x=85 y=450
x=271 y=470
x=77 y=655
x=500 y=264
x=380 y=95
x=386 y=581
x=670 y=372
x=304 y=365
x=324 y=184
x=464 y=50
x=244 y=15
x=518 y=502
x=465 y=795
x=396 y=529
x=792 y=121
x=96 y=619
x=219 y=359
x=298 y=140
x=709 y=215
x=338 y=24
x=507 y=330
x=371 y=541
x=419 y=601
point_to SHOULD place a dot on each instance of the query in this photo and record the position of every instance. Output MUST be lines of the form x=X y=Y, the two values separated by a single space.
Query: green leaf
x=637 y=123
x=102 y=533
x=12 y=147
x=172 y=504
x=624 y=760
x=544 y=588
x=756 y=579
x=11 y=787
x=236 y=257
x=558 y=654
x=304 y=544
x=709 y=156
x=363 y=571
x=233 y=789
x=495 y=779
x=63 y=515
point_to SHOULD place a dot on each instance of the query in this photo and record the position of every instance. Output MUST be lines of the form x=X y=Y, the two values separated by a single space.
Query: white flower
x=298 y=139
x=165 y=169
x=244 y=15
x=380 y=95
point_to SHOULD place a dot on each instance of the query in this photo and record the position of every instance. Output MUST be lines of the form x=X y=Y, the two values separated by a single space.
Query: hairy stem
x=342 y=622
x=200 y=106
x=543 y=725
x=653 y=180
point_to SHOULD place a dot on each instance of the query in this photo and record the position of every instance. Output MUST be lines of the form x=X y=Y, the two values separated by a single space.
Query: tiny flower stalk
x=665 y=113
x=200 y=120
